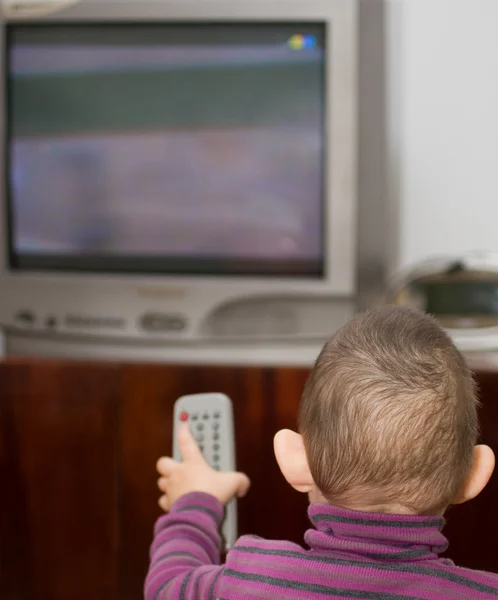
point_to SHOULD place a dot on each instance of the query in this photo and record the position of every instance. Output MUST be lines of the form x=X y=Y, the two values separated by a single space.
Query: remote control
x=210 y=417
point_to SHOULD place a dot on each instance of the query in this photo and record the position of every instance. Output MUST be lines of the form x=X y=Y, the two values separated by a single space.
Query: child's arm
x=186 y=550
x=185 y=554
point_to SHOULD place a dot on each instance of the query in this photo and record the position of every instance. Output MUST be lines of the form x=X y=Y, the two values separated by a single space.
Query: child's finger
x=164 y=503
x=166 y=465
x=238 y=483
x=188 y=446
x=243 y=484
x=162 y=484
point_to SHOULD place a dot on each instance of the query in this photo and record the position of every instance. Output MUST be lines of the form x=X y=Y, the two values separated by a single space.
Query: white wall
x=443 y=91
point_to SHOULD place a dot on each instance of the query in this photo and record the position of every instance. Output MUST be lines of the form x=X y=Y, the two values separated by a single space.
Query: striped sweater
x=351 y=555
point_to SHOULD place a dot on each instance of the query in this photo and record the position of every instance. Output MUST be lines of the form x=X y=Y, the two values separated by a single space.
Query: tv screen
x=190 y=149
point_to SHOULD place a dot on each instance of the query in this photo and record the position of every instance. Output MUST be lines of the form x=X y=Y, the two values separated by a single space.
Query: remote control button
x=200 y=427
x=216 y=458
x=216 y=437
x=200 y=438
x=194 y=417
x=184 y=417
x=217 y=415
x=216 y=448
x=201 y=448
x=216 y=426
x=216 y=467
x=205 y=416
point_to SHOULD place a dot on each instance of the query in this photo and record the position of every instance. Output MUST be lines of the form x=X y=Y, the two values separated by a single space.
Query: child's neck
x=316 y=497
x=387 y=509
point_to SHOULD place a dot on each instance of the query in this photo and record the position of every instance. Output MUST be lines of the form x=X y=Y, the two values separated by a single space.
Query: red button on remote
x=184 y=417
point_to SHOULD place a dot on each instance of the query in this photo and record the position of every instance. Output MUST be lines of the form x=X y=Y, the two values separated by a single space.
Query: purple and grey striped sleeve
x=185 y=553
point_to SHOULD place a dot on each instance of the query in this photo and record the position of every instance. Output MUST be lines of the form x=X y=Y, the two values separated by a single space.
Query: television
x=179 y=173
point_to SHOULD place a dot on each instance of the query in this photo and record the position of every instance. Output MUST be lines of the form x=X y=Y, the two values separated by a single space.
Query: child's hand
x=195 y=475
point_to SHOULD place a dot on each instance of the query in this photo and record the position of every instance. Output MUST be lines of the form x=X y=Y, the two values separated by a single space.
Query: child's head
x=388 y=419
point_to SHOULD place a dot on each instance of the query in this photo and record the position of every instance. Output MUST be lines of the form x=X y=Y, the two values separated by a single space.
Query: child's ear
x=292 y=460
x=482 y=468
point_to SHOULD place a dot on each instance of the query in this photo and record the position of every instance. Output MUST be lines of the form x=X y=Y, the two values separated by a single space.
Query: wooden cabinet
x=78 y=447
x=61 y=492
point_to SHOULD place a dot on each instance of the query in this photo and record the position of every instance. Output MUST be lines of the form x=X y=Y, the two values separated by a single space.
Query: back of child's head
x=389 y=414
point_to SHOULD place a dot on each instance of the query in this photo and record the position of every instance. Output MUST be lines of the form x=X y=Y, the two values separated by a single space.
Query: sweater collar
x=375 y=536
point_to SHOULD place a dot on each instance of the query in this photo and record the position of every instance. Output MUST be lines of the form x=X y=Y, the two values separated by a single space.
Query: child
x=388 y=427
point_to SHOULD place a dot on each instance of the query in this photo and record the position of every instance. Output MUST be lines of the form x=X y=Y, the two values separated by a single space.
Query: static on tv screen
x=180 y=149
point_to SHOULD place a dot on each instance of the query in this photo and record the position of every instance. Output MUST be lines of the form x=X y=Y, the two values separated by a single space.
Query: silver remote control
x=210 y=417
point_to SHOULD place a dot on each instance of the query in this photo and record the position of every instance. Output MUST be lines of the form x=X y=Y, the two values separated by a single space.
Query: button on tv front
x=26 y=317
x=163 y=323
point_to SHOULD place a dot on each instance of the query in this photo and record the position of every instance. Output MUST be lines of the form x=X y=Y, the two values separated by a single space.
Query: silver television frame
x=196 y=296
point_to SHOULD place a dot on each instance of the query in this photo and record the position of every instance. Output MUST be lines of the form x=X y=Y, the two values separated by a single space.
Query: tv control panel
x=244 y=320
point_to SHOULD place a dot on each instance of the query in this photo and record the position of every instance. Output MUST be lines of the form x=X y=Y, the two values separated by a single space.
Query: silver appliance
x=462 y=293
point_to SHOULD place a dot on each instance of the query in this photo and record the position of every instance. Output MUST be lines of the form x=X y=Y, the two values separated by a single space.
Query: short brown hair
x=389 y=413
